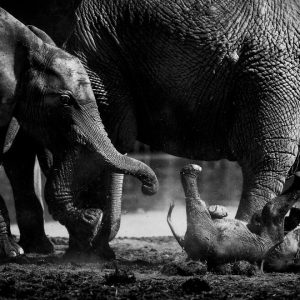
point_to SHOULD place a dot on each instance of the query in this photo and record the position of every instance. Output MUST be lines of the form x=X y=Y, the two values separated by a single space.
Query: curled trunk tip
x=150 y=188
x=144 y=173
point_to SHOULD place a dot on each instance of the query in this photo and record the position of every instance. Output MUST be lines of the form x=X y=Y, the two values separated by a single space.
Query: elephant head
x=56 y=105
x=213 y=238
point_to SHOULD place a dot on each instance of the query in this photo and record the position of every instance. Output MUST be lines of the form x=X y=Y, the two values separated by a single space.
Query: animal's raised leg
x=19 y=165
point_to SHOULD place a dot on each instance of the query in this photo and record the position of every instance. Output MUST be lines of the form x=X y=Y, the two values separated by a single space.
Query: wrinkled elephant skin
x=199 y=79
x=45 y=92
x=212 y=78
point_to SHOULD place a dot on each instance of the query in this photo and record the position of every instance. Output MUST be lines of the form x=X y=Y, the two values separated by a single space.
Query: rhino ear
x=42 y=35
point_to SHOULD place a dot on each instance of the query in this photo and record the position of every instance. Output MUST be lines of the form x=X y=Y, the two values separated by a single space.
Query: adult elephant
x=199 y=79
x=45 y=92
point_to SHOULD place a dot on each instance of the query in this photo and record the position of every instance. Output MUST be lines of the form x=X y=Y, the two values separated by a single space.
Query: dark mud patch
x=119 y=277
x=183 y=268
x=196 y=286
x=236 y=268
x=139 y=263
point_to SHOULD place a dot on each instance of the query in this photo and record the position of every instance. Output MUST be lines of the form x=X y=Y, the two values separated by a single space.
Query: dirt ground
x=145 y=268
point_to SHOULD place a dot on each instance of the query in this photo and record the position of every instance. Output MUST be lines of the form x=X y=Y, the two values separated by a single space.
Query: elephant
x=205 y=80
x=212 y=238
x=45 y=92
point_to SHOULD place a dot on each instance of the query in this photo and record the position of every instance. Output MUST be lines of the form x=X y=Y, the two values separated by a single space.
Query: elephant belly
x=183 y=108
x=195 y=134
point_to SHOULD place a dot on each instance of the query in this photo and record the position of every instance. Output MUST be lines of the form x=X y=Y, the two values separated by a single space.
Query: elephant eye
x=66 y=100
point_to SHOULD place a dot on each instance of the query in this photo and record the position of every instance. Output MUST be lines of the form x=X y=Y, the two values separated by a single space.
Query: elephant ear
x=11 y=134
x=42 y=35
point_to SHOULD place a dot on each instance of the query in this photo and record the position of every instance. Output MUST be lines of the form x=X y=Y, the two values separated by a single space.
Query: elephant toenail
x=12 y=254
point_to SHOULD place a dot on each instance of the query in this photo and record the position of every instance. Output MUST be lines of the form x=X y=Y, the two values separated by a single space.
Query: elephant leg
x=266 y=150
x=81 y=215
x=104 y=192
x=8 y=246
x=19 y=166
x=263 y=181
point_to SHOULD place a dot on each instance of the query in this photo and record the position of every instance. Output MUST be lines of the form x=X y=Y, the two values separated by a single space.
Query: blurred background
x=220 y=183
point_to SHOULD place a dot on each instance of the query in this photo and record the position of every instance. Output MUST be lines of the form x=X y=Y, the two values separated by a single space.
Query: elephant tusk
x=169 y=220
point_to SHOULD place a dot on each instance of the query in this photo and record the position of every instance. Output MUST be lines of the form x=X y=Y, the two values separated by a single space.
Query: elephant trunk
x=96 y=139
x=88 y=133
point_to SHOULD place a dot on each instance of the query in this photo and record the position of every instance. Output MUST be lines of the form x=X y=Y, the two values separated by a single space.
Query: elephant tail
x=179 y=239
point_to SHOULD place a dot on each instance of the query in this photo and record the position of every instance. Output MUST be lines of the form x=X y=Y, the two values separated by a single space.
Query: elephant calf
x=213 y=238
x=49 y=94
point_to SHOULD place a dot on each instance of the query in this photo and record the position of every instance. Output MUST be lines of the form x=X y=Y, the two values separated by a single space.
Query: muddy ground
x=145 y=268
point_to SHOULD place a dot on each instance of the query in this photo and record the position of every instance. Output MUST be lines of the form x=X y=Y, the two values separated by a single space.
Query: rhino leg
x=19 y=164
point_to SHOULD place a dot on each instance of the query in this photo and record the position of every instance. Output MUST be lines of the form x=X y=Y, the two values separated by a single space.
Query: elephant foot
x=9 y=248
x=85 y=227
x=89 y=255
x=37 y=245
x=104 y=251
x=101 y=253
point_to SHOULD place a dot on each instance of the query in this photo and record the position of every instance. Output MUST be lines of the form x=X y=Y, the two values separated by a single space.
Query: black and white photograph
x=150 y=149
